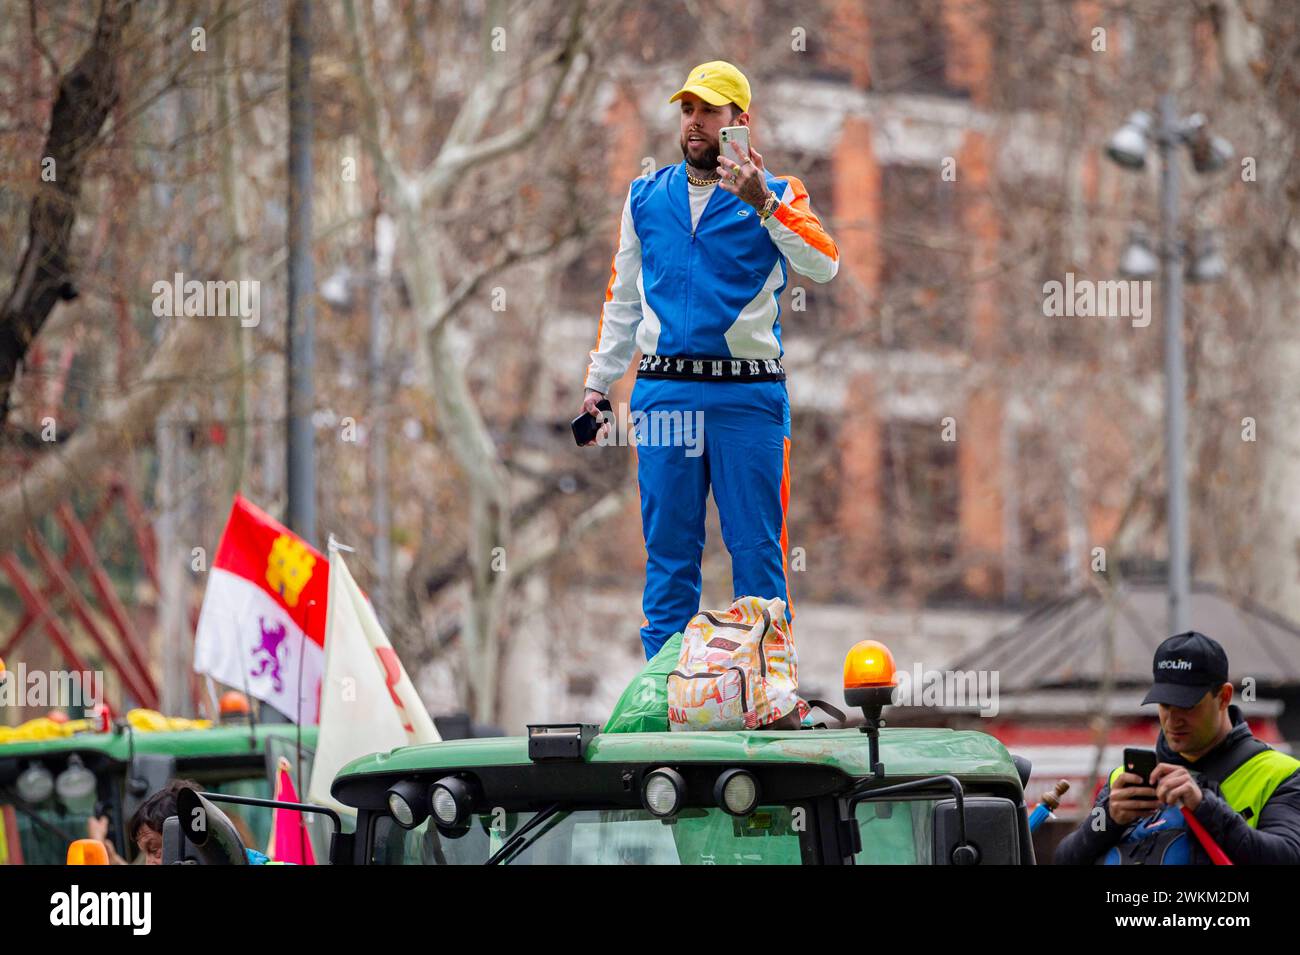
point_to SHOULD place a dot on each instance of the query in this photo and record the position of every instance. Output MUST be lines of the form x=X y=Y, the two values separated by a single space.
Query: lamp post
x=300 y=344
x=1128 y=148
x=1175 y=372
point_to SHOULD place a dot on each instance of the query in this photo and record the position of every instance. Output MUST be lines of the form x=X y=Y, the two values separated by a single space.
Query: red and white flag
x=262 y=627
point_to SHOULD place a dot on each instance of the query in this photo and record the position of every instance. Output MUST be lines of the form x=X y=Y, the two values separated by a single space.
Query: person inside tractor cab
x=1243 y=792
x=145 y=828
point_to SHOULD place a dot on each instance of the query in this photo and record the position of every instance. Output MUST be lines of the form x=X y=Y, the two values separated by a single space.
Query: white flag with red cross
x=368 y=703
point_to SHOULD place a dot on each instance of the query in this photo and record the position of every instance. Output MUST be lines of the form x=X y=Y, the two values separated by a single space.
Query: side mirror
x=209 y=830
x=1024 y=769
x=992 y=832
x=174 y=844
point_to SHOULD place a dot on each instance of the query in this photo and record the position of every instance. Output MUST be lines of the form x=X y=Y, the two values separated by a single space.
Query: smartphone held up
x=733 y=140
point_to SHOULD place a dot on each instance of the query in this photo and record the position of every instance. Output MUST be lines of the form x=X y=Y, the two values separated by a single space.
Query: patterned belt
x=711 y=369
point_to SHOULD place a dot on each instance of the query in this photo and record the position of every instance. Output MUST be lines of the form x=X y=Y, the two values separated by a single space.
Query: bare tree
x=415 y=197
x=45 y=275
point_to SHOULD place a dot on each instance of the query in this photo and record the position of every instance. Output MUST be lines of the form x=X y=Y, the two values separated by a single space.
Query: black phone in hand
x=1140 y=762
x=586 y=427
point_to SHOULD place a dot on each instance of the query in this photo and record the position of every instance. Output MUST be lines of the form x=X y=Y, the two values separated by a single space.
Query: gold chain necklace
x=702 y=182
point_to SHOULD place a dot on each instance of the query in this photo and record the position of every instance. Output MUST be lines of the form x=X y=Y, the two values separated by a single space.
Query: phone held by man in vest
x=704 y=252
x=1244 y=793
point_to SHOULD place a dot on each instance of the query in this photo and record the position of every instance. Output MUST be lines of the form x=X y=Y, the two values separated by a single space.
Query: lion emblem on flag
x=268 y=655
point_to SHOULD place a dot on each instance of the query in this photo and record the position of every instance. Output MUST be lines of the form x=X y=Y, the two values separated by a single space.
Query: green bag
x=643 y=707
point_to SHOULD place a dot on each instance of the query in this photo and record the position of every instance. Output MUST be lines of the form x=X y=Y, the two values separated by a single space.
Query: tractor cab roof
x=117 y=745
x=812 y=760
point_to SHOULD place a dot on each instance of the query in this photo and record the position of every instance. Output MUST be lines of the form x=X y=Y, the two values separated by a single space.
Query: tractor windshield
x=772 y=835
x=895 y=833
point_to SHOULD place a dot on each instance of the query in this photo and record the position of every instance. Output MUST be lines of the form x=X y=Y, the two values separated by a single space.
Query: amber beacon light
x=87 y=852
x=869 y=683
x=869 y=663
x=869 y=676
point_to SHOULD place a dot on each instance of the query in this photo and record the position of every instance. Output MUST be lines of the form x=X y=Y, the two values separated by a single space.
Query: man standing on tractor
x=704 y=251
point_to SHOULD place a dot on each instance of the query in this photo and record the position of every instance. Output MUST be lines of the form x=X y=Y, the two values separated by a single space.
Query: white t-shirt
x=699 y=199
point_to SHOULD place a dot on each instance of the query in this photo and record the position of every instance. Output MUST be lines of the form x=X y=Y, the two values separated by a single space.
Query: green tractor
x=570 y=794
x=50 y=787
x=567 y=795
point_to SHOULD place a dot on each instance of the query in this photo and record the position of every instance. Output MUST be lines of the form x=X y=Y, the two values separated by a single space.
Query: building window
x=920 y=503
x=923 y=264
x=908 y=47
x=1033 y=42
x=1041 y=522
x=816 y=528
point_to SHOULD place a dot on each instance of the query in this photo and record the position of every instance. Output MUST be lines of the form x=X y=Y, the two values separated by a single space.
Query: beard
x=706 y=160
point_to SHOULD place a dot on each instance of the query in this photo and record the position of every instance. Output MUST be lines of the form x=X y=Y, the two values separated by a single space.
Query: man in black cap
x=1245 y=794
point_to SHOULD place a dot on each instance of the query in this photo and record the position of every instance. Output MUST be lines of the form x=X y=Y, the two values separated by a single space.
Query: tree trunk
x=45 y=275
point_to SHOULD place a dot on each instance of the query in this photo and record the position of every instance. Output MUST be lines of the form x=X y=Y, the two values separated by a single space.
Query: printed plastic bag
x=737 y=670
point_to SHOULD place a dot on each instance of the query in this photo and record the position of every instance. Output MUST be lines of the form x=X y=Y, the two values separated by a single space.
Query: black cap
x=1185 y=668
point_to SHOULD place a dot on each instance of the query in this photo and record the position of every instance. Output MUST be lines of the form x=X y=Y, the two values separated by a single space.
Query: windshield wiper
x=519 y=839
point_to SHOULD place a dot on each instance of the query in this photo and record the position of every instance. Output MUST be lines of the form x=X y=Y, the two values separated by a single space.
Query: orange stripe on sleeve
x=798 y=217
x=609 y=294
x=609 y=287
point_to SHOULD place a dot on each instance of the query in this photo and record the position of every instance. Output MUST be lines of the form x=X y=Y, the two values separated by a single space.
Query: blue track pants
x=733 y=437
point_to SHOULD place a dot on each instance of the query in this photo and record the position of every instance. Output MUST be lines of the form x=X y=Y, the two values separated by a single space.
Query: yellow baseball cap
x=716 y=82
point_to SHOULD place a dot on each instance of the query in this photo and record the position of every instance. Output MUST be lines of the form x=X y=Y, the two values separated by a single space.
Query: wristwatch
x=768 y=207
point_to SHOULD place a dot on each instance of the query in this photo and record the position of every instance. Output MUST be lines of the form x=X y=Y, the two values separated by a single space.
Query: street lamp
x=1209 y=153
x=1139 y=260
x=1128 y=147
x=1206 y=263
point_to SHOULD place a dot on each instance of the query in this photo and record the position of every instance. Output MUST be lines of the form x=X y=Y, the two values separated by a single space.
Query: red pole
x=1217 y=855
x=80 y=541
x=69 y=562
x=59 y=577
x=143 y=533
x=44 y=612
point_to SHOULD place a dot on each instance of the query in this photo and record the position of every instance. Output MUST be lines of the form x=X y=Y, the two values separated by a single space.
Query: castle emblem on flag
x=289 y=567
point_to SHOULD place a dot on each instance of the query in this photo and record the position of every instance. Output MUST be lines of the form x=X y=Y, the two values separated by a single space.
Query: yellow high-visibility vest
x=1250 y=785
